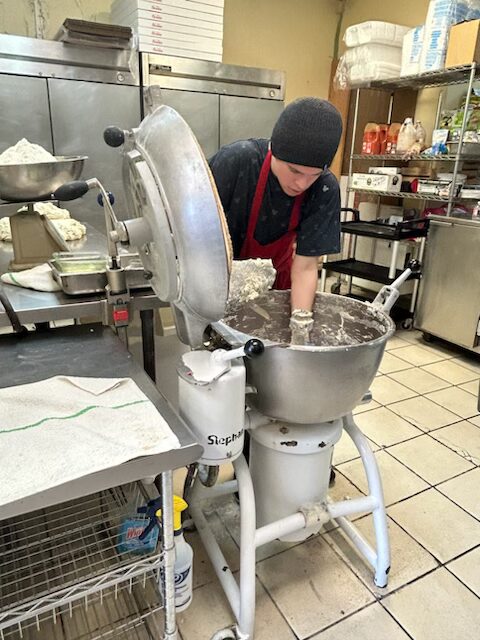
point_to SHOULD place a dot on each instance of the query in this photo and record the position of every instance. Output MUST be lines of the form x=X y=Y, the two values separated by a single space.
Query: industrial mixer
x=294 y=400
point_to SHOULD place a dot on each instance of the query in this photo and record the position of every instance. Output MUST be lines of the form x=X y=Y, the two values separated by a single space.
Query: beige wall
x=294 y=36
x=18 y=17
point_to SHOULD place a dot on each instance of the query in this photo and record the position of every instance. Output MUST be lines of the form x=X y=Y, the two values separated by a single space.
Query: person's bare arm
x=304 y=282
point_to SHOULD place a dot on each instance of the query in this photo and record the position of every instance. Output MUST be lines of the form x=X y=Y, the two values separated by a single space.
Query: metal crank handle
x=389 y=294
x=250 y=349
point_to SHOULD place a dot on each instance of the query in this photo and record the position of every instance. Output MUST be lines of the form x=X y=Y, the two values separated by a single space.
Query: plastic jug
x=392 y=137
x=407 y=136
x=371 y=139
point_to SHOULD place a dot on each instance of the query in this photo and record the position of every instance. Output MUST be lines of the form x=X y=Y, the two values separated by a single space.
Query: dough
x=250 y=279
x=25 y=152
x=68 y=228
x=5 y=233
x=50 y=210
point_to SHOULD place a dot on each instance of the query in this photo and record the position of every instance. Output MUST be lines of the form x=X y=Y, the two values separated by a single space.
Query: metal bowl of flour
x=37 y=181
x=315 y=383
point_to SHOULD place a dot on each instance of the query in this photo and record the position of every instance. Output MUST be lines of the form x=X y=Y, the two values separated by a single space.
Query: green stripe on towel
x=75 y=415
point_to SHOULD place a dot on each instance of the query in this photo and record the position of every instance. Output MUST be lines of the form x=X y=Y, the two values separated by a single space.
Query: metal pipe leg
x=168 y=544
x=394 y=259
x=375 y=489
x=247 y=549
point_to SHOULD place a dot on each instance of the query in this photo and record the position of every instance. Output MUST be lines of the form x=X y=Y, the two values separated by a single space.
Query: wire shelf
x=403 y=194
x=454 y=75
x=67 y=555
x=132 y=611
x=401 y=158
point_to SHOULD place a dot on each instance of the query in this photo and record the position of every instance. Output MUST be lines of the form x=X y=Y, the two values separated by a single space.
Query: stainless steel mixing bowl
x=317 y=383
x=37 y=181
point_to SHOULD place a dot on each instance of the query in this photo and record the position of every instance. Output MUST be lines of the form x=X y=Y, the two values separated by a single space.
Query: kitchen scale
x=34 y=237
x=295 y=401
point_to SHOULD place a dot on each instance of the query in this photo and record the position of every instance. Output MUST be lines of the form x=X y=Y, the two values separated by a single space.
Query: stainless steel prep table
x=94 y=350
x=35 y=307
x=89 y=350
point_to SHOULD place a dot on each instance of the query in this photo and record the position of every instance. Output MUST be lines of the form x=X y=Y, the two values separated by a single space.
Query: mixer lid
x=169 y=184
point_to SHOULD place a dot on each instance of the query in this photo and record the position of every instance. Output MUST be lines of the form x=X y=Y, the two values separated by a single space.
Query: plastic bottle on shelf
x=392 y=138
x=421 y=133
x=371 y=139
x=407 y=136
x=383 y=137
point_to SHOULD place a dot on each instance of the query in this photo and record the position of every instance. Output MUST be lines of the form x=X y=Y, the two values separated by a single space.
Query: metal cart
x=379 y=230
x=62 y=574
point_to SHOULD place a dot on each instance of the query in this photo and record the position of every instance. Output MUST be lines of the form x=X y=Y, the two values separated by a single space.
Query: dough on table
x=69 y=228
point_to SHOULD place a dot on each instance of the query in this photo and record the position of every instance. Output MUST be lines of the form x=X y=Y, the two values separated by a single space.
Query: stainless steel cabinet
x=449 y=302
x=200 y=110
x=80 y=112
x=243 y=118
x=221 y=103
x=24 y=111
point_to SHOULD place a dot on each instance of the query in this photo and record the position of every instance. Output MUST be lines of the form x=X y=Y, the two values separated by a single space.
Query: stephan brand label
x=226 y=440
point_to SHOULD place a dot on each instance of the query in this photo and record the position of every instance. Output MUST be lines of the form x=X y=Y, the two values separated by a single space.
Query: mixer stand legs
x=241 y=596
x=380 y=560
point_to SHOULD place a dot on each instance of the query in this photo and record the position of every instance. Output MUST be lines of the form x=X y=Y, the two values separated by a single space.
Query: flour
x=250 y=279
x=25 y=152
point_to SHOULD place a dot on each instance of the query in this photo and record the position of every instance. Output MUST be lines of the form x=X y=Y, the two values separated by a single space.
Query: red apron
x=280 y=251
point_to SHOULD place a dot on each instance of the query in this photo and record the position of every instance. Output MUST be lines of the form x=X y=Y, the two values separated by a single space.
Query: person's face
x=294 y=178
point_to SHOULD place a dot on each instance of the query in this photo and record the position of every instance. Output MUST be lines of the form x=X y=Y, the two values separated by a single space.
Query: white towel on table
x=39 y=278
x=64 y=428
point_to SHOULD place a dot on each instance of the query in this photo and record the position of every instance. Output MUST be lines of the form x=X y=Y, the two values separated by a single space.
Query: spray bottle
x=183 y=559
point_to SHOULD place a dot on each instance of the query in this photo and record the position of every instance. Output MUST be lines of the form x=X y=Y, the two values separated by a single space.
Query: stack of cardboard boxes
x=185 y=28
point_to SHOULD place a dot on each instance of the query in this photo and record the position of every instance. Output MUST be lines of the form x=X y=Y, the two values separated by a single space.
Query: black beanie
x=307 y=133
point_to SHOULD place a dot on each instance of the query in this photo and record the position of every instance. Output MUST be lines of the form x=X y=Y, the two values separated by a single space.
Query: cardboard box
x=168 y=12
x=463 y=44
x=189 y=6
x=181 y=41
x=137 y=23
x=376 y=182
x=149 y=45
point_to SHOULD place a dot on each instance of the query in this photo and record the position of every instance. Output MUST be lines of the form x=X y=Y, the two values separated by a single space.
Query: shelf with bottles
x=395 y=157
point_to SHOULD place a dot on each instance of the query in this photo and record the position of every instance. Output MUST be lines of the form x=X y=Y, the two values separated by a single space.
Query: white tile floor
x=425 y=429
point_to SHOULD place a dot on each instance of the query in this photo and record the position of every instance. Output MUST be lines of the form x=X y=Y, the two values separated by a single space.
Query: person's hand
x=301 y=323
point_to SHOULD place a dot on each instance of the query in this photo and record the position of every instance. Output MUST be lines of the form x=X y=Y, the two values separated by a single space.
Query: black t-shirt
x=236 y=169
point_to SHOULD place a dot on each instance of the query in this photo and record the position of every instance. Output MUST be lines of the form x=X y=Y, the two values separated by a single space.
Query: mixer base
x=241 y=596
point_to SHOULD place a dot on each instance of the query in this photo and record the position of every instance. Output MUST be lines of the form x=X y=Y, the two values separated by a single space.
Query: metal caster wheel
x=335 y=288
x=407 y=324
x=207 y=475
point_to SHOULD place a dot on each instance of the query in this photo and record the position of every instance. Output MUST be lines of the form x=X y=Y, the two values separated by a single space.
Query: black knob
x=254 y=348
x=111 y=198
x=414 y=266
x=114 y=136
x=71 y=190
